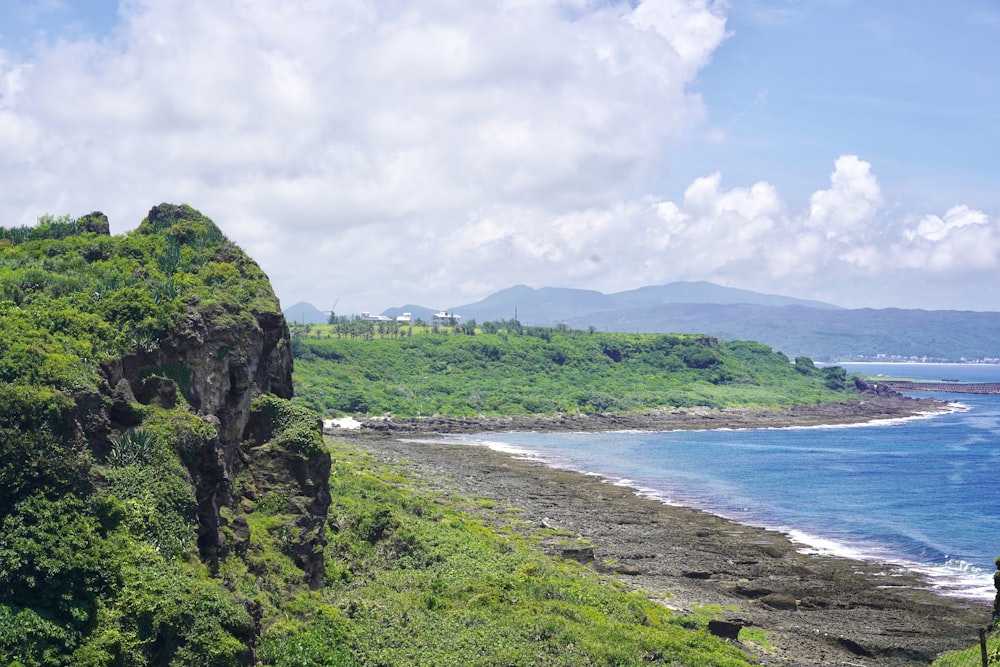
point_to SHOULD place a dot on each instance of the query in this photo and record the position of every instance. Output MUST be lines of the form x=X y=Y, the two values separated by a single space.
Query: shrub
x=292 y=425
x=37 y=451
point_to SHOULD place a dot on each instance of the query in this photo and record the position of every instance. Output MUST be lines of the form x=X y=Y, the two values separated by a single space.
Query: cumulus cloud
x=962 y=240
x=379 y=152
x=850 y=202
x=294 y=120
x=750 y=238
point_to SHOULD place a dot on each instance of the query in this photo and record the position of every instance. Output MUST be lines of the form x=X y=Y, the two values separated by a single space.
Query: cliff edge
x=144 y=403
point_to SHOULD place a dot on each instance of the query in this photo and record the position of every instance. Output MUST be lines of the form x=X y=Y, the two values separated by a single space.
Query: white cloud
x=933 y=228
x=746 y=237
x=963 y=240
x=850 y=202
x=296 y=119
x=382 y=152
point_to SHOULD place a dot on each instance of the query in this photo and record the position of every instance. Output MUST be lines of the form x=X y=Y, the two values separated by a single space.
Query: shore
x=816 y=610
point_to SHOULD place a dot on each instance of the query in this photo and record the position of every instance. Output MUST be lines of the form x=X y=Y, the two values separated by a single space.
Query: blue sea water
x=922 y=493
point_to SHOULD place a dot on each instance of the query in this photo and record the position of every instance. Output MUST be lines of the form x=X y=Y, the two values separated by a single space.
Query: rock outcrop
x=218 y=360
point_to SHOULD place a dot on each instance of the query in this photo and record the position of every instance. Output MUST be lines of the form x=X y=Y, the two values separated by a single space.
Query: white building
x=445 y=319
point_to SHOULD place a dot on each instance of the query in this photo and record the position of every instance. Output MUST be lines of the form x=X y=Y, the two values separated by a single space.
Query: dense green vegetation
x=98 y=557
x=415 y=578
x=101 y=555
x=71 y=299
x=972 y=656
x=532 y=370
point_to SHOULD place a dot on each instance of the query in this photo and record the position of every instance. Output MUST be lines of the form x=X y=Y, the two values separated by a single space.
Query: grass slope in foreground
x=413 y=578
x=532 y=370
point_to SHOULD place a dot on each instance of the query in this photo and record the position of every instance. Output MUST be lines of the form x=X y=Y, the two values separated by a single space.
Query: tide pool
x=922 y=493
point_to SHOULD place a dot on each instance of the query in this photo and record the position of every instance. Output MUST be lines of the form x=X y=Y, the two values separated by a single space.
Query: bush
x=52 y=562
x=134 y=445
x=37 y=451
x=293 y=426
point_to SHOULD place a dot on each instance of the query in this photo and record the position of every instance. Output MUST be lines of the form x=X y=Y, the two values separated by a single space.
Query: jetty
x=945 y=387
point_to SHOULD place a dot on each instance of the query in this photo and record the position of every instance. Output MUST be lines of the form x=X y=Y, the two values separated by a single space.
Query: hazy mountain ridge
x=796 y=327
x=548 y=306
x=305 y=313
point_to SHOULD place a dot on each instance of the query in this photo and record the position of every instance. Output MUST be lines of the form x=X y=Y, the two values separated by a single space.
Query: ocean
x=921 y=493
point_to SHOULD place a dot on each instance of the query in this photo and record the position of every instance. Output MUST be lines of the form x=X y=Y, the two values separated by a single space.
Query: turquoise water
x=922 y=493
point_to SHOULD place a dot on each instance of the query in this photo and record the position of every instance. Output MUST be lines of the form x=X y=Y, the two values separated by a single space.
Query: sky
x=376 y=153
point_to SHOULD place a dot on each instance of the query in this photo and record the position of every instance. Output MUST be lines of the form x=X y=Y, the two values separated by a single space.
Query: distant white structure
x=365 y=315
x=405 y=318
x=445 y=319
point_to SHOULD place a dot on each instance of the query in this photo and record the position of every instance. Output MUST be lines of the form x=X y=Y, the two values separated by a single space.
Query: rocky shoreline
x=869 y=408
x=816 y=610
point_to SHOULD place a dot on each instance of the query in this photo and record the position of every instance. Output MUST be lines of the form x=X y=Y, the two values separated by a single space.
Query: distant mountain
x=548 y=306
x=305 y=313
x=706 y=292
x=545 y=306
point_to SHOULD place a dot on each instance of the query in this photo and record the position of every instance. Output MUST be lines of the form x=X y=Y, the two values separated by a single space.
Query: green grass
x=546 y=371
x=412 y=579
x=972 y=656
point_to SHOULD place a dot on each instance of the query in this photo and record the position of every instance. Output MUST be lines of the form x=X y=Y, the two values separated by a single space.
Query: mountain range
x=797 y=327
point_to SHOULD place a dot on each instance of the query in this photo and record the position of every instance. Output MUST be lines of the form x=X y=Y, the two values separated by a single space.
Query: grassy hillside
x=414 y=578
x=543 y=371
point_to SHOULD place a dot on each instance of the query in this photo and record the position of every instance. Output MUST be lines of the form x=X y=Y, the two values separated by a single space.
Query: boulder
x=725 y=629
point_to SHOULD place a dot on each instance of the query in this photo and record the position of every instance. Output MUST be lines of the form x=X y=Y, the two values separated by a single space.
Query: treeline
x=540 y=370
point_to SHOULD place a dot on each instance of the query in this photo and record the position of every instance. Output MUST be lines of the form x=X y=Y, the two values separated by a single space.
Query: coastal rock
x=725 y=629
x=160 y=391
x=696 y=574
x=881 y=404
x=304 y=482
x=781 y=601
x=581 y=555
x=853 y=647
x=95 y=223
x=219 y=358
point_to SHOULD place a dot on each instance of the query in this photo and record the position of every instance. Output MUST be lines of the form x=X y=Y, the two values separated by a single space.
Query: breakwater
x=945 y=387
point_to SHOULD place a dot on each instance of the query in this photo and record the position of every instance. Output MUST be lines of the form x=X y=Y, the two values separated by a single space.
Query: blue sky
x=26 y=23
x=381 y=152
x=914 y=92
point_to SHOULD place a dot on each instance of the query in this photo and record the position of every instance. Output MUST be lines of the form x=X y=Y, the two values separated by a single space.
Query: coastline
x=870 y=408
x=816 y=609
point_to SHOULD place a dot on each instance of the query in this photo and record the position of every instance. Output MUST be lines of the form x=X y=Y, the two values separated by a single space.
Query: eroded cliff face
x=217 y=361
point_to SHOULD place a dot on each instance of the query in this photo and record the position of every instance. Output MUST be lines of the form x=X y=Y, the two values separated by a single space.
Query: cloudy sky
x=373 y=153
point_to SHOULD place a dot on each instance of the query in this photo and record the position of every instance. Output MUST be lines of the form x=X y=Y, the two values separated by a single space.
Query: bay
x=921 y=493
